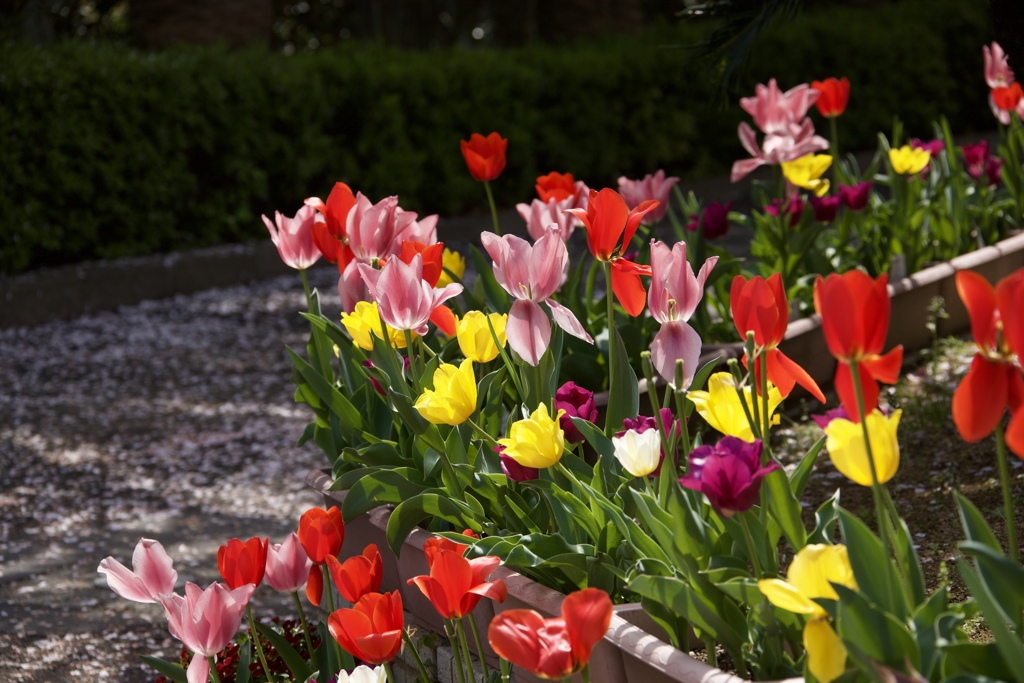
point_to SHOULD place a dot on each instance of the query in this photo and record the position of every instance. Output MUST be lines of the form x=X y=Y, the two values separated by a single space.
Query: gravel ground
x=170 y=419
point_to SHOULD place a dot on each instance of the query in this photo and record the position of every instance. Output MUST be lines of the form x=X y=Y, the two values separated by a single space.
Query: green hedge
x=108 y=152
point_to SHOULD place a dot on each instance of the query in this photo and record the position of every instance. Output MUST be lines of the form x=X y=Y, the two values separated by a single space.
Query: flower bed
x=451 y=420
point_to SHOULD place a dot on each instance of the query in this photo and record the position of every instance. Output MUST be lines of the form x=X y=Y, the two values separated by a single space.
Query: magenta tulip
x=673 y=298
x=153 y=574
x=855 y=197
x=513 y=470
x=293 y=237
x=793 y=207
x=834 y=414
x=825 y=208
x=933 y=147
x=656 y=187
x=574 y=401
x=714 y=220
x=287 y=565
x=404 y=300
x=532 y=274
x=728 y=473
x=206 y=621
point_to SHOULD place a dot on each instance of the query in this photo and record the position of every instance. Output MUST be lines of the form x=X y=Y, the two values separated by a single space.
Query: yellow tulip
x=475 y=338
x=907 y=160
x=365 y=319
x=845 y=446
x=453 y=398
x=806 y=172
x=453 y=261
x=537 y=442
x=811 y=575
x=720 y=405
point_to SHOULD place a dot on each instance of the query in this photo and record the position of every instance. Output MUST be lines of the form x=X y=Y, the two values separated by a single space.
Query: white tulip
x=639 y=452
x=363 y=674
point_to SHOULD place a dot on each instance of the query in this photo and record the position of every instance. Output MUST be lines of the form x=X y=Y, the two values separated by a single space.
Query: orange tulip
x=359 y=575
x=760 y=306
x=485 y=156
x=610 y=227
x=455 y=585
x=242 y=562
x=833 y=94
x=372 y=629
x=557 y=186
x=994 y=382
x=553 y=648
x=329 y=235
x=854 y=312
x=321 y=533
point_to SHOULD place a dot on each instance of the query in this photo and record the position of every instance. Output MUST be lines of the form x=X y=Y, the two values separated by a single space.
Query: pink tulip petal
x=528 y=330
x=198 y=670
x=567 y=320
x=676 y=340
x=548 y=261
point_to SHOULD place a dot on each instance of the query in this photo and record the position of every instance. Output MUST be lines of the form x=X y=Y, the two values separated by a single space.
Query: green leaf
x=975 y=526
x=872 y=569
x=785 y=508
x=172 y=671
x=497 y=297
x=295 y=662
x=391 y=486
x=624 y=402
x=974 y=661
x=242 y=673
x=423 y=506
x=1003 y=577
x=825 y=520
x=802 y=474
x=325 y=390
x=879 y=634
x=1007 y=642
x=910 y=566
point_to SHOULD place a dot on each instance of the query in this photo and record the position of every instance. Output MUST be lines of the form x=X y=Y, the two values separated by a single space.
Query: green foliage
x=110 y=152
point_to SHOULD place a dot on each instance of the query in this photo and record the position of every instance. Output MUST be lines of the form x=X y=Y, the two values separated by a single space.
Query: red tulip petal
x=315 y=586
x=443 y=317
x=784 y=372
x=495 y=590
x=628 y=287
x=778 y=290
x=587 y=614
x=835 y=304
x=434 y=591
x=980 y=399
x=608 y=214
x=1010 y=297
x=885 y=369
x=634 y=218
x=979 y=298
x=1015 y=433
x=848 y=395
x=514 y=636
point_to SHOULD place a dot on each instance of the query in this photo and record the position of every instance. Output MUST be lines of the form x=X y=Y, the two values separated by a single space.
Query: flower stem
x=305 y=624
x=1004 y=480
x=254 y=636
x=506 y=669
x=751 y=548
x=479 y=646
x=345 y=660
x=483 y=433
x=494 y=208
x=413 y=365
x=389 y=672
x=766 y=451
x=585 y=673
x=876 y=490
x=609 y=428
x=464 y=643
x=424 y=676
x=456 y=655
x=305 y=287
x=214 y=676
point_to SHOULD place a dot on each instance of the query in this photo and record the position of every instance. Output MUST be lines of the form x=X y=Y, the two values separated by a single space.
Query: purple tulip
x=825 y=208
x=576 y=402
x=855 y=197
x=993 y=168
x=714 y=220
x=834 y=414
x=641 y=423
x=513 y=470
x=934 y=147
x=794 y=206
x=728 y=473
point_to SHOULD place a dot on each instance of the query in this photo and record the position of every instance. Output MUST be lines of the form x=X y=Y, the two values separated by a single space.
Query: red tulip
x=854 y=312
x=1007 y=98
x=433 y=546
x=833 y=94
x=485 y=156
x=359 y=575
x=242 y=562
x=553 y=648
x=610 y=228
x=372 y=629
x=329 y=235
x=994 y=382
x=557 y=186
x=760 y=306
x=455 y=585
x=321 y=533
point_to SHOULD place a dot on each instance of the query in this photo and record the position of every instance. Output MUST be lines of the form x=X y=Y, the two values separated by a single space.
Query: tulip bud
x=475 y=338
x=572 y=400
x=537 y=441
x=638 y=452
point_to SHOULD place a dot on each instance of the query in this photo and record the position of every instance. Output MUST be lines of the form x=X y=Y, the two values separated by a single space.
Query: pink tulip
x=782 y=117
x=293 y=237
x=673 y=298
x=728 y=473
x=287 y=564
x=206 y=621
x=539 y=216
x=855 y=197
x=998 y=73
x=376 y=231
x=656 y=186
x=405 y=301
x=532 y=274
x=153 y=574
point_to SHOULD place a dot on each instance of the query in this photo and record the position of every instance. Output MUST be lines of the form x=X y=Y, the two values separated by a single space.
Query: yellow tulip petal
x=785 y=596
x=845 y=444
x=826 y=655
x=816 y=567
